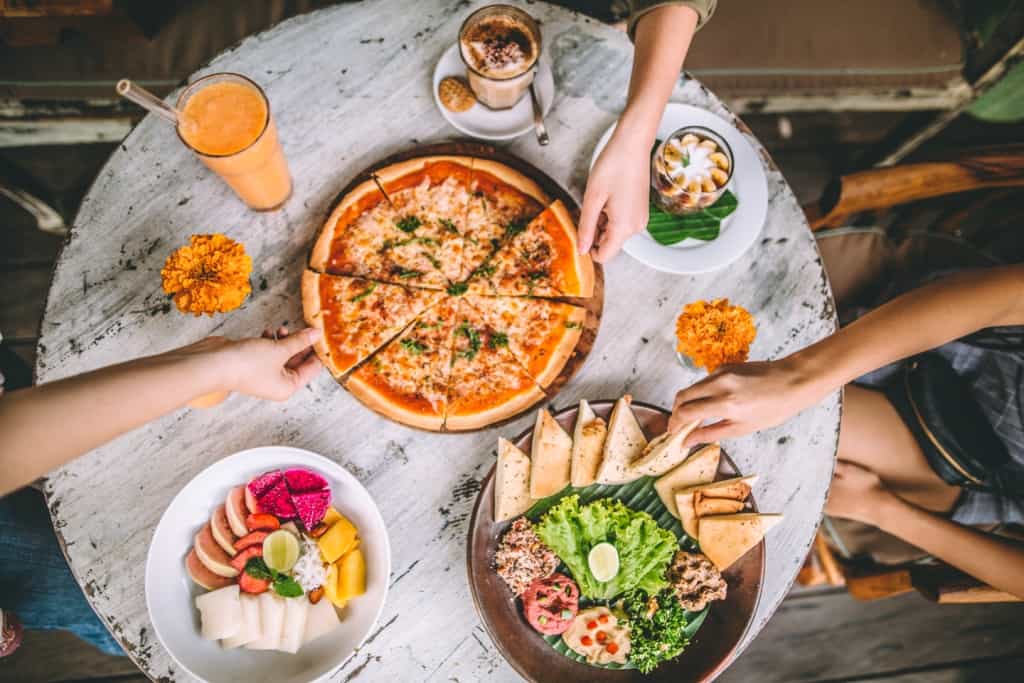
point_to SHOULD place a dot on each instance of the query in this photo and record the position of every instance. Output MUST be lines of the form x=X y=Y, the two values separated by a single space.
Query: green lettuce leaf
x=644 y=548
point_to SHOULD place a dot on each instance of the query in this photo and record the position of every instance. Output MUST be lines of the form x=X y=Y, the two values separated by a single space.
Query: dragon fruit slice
x=278 y=501
x=311 y=506
x=303 y=480
x=264 y=482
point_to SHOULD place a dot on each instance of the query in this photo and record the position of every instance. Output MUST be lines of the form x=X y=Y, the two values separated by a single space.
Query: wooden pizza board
x=593 y=305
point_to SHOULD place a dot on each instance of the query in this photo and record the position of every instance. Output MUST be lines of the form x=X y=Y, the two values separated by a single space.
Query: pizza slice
x=351 y=240
x=541 y=260
x=357 y=316
x=503 y=201
x=430 y=197
x=487 y=383
x=407 y=380
x=540 y=333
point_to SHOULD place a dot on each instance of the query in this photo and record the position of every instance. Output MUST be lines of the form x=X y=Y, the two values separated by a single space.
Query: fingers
x=698 y=410
x=611 y=243
x=593 y=204
x=306 y=370
x=295 y=343
x=713 y=433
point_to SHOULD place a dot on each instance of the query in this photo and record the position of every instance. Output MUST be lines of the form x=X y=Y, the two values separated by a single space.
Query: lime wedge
x=281 y=550
x=603 y=561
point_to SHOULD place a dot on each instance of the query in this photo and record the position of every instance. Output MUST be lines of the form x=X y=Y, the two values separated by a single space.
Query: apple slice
x=202 y=576
x=220 y=612
x=295 y=613
x=236 y=511
x=252 y=626
x=272 y=620
x=212 y=555
x=222 y=531
x=321 y=620
x=250 y=502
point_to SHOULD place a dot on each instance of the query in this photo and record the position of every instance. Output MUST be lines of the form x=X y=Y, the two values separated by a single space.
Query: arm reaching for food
x=46 y=426
x=752 y=396
x=615 y=204
x=859 y=494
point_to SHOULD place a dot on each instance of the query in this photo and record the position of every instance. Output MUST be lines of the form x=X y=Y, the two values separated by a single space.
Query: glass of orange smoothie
x=225 y=119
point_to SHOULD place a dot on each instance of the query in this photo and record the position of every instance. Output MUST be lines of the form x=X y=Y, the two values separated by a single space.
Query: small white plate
x=491 y=124
x=739 y=231
x=170 y=594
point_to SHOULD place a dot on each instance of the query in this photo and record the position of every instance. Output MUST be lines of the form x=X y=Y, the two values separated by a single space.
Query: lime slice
x=603 y=561
x=281 y=550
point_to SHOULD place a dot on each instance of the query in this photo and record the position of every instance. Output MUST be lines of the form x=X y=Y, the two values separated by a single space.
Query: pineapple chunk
x=331 y=587
x=331 y=516
x=352 y=574
x=337 y=540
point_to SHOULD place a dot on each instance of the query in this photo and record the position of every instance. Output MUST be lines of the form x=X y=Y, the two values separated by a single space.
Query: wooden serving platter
x=709 y=652
x=593 y=305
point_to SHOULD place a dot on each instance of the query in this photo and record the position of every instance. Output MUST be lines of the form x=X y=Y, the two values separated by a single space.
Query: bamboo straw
x=147 y=100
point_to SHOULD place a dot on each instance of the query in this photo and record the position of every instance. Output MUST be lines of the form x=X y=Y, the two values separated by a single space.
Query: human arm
x=859 y=494
x=757 y=395
x=46 y=426
x=618 y=187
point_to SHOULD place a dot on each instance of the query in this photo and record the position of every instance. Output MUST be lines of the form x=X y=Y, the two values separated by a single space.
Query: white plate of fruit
x=270 y=565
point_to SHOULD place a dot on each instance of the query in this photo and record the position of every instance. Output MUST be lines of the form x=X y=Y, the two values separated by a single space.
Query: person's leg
x=35 y=582
x=874 y=436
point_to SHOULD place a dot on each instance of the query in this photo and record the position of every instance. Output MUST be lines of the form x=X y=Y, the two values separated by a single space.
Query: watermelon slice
x=277 y=501
x=265 y=482
x=311 y=506
x=303 y=480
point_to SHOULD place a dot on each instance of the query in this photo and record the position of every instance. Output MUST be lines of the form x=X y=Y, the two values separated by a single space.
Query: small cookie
x=455 y=94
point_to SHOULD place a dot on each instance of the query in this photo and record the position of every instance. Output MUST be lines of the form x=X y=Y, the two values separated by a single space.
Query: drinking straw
x=147 y=100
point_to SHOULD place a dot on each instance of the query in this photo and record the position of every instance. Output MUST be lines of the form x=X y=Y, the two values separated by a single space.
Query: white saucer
x=490 y=124
x=739 y=231
x=170 y=595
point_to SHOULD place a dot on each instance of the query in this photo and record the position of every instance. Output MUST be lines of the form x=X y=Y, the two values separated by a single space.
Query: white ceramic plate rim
x=236 y=468
x=739 y=231
x=544 y=79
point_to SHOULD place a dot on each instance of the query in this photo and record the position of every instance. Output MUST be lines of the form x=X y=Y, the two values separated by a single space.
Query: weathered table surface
x=349 y=85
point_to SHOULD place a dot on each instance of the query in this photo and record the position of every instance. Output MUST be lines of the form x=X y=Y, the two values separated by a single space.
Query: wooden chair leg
x=47 y=218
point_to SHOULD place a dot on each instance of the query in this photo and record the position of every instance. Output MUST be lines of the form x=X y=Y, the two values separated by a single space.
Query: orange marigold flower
x=208 y=275
x=715 y=334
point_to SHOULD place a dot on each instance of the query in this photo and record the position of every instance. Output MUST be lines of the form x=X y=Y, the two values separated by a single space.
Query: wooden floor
x=817 y=635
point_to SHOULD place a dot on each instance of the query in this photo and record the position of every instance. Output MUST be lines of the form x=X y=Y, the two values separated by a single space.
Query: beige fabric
x=638 y=8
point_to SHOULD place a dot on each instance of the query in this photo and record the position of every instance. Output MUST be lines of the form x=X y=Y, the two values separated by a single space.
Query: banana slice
x=693 y=186
x=708 y=185
x=719 y=176
x=719 y=160
x=708 y=144
x=689 y=139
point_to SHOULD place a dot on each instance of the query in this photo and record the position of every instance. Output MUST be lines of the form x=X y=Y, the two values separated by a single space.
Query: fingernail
x=312 y=334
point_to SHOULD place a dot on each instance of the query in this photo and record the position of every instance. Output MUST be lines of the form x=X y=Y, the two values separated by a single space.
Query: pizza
x=448 y=290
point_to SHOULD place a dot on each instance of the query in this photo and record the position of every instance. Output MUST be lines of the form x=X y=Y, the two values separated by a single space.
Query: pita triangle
x=727 y=538
x=587 y=444
x=511 y=482
x=625 y=442
x=550 y=454
x=699 y=468
x=664 y=453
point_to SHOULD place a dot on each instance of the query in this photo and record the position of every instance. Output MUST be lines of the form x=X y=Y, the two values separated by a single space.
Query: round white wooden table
x=349 y=85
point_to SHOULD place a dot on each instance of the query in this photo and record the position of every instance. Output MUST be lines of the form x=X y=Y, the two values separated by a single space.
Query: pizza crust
x=483 y=418
x=394 y=172
x=374 y=399
x=583 y=264
x=509 y=175
x=313 y=314
x=563 y=351
x=322 y=247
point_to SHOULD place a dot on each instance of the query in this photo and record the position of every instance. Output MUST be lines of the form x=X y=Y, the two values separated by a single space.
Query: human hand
x=263 y=367
x=615 y=203
x=744 y=398
x=857 y=493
